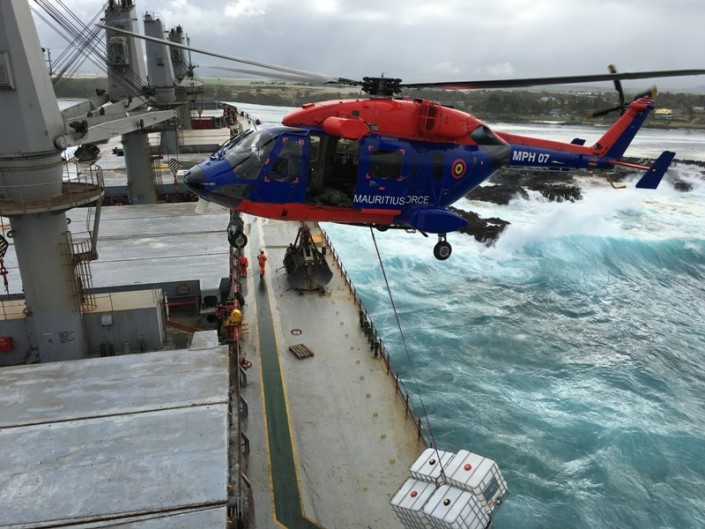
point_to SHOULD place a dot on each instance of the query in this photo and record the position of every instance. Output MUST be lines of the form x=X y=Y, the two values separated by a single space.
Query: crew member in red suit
x=262 y=260
x=244 y=263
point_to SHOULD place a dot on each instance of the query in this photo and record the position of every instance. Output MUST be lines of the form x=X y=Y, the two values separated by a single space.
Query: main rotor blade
x=540 y=81
x=303 y=73
x=618 y=86
x=272 y=75
x=600 y=113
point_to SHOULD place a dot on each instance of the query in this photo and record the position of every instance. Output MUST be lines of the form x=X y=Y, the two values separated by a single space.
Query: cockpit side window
x=274 y=152
x=386 y=163
x=315 y=148
x=288 y=162
x=245 y=165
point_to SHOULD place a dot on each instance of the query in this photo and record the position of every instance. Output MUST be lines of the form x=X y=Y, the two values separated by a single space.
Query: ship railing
x=377 y=347
x=240 y=500
x=74 y=187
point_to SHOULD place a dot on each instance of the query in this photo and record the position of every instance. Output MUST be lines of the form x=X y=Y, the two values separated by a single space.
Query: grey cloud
x=464 y=40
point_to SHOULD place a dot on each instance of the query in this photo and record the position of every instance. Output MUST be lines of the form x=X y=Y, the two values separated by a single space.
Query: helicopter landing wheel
x=382 y=227
x=442 y=250
x=238 y=240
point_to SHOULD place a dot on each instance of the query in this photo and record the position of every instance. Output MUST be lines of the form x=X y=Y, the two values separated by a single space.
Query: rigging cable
x=84 y=44
x=408 y=356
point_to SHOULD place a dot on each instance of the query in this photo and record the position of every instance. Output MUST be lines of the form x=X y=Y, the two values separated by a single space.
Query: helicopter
x=397 y=162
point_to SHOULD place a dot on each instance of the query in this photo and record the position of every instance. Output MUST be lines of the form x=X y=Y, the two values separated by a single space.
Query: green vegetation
x=80 y=87
x=490 y=105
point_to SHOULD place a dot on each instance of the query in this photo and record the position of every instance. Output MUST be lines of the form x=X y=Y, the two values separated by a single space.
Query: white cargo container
x=429 y=464
x=478 y=475
x=409 y=501
x=453 y=508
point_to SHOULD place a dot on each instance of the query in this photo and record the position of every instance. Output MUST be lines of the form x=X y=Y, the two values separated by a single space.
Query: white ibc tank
x=453 y=508
x=428 y=466
x=478 y=475
x=408 y=503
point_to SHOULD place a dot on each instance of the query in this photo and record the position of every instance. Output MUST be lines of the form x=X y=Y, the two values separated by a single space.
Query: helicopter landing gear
x=236 y=235
x=442 y=249
x=237 y=240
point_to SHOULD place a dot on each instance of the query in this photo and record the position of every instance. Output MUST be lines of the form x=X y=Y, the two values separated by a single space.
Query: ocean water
x=571 y=351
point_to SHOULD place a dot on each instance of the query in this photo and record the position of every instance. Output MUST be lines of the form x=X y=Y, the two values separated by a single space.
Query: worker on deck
x=244 y=362
x=262 y=260
x=244 y=263
x=234 y=318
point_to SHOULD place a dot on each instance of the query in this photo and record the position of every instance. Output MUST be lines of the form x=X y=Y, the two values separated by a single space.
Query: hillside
x=687 y=110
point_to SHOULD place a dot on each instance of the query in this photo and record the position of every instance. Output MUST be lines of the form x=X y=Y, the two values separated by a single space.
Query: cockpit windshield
x=248 y=152
x=249 y=141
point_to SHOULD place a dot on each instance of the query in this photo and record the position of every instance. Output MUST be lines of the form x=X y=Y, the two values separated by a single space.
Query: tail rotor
x=622 y=106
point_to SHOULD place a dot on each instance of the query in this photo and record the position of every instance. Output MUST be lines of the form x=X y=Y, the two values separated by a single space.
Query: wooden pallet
x=183 y=327
x=301 y=351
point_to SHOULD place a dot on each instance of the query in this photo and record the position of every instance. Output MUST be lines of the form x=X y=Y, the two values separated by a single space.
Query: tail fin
x=654 y=173
x=615 y=141
x=652 y=177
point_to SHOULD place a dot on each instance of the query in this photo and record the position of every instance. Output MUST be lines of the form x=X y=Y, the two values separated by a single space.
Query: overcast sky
x=441 y=40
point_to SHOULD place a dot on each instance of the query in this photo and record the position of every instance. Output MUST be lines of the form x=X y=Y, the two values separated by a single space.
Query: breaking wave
x=571 y=352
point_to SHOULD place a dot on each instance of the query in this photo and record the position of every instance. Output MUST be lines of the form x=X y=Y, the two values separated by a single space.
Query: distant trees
x=79 y=88
x=515 y=105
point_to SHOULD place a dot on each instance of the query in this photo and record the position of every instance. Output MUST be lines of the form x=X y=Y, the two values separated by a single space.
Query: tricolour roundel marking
x=459 y=167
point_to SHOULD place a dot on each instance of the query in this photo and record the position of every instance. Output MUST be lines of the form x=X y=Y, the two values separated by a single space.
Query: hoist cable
x=408 y=356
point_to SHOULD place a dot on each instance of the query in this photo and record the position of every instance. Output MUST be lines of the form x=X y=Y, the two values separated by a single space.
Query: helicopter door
x=334 y=168
x=384 y=168
x=284 y=172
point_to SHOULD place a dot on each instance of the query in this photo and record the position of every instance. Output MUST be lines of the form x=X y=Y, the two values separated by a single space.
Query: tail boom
x=606 y=153
x=615 y=141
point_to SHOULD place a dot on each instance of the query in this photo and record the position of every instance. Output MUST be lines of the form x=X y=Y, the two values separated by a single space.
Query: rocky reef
x=558 y=186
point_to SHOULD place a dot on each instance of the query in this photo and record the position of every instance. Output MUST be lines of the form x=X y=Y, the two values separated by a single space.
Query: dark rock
x=681 y=185
x=559 y=192
x=485 y=231
x=498 y=194
x=510 y=184
x=558 y=186
x=524 y=177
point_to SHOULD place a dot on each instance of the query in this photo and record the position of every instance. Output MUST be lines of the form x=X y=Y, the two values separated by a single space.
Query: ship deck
x=101 y=441
x=329 y=437
x=333 y=426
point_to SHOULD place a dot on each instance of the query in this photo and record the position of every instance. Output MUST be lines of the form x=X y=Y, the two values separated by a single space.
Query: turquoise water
x=571 y=352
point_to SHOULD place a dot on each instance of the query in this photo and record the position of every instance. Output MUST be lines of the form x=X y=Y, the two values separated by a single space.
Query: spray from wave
x=570 y=351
